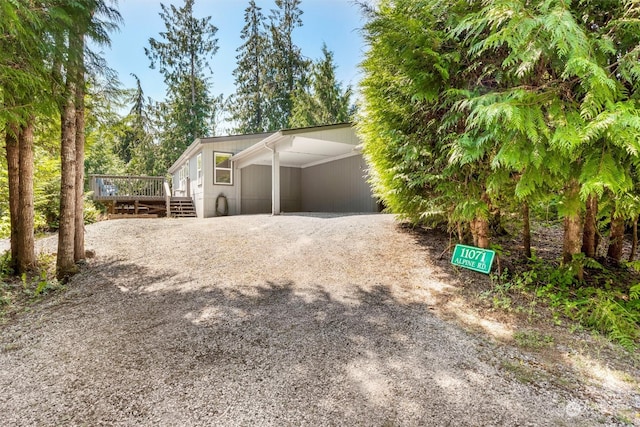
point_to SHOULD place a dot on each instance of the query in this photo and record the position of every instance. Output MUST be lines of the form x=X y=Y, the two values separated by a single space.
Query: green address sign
x=473 y=258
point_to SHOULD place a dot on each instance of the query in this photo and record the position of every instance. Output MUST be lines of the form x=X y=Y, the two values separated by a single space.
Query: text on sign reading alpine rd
x=473 y=258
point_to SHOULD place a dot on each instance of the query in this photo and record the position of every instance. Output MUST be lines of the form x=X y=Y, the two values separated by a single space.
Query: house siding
x=204 y=195
x=338 y=186
x=256 y=189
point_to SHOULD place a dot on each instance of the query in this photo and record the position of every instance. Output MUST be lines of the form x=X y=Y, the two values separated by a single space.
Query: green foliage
x=5 y=265
x=473 y=107
x=323 y=102
x=532 y=339
x=91 y=212
x=17 y=293
x=602 y=307
x=504 y=288
x=182 y=57
x=286 y=68
x=247 y=107
x=606 y=311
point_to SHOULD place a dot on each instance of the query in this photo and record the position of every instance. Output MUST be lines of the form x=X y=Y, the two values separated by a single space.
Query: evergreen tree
x=93 y=19
x=247 y=105
x=182 y=56
x=323 y=102
x=22 y=89
x=134 y=146
x=466 y=103
x=286 y=68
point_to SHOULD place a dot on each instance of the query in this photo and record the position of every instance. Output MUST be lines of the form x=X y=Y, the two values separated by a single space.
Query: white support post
x=237 y=179
x=275 y=182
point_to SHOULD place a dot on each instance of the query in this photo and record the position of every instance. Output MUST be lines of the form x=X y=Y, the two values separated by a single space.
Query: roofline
x=313 y=128
x=198 y=142
x=268 y=142
x=222 y=138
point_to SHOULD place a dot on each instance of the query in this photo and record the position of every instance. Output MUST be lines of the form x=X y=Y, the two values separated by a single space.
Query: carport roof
x=302 y=147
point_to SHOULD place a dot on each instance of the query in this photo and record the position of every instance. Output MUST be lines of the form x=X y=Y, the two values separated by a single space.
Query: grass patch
x=533 y=340
x=522 y=373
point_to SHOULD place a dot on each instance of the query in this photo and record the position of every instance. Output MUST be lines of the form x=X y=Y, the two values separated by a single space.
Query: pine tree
x=182 y=57
x=323 y=102
x=286 y=68
x=247 y=105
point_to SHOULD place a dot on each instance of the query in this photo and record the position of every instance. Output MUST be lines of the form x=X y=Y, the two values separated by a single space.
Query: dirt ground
x=293 y=320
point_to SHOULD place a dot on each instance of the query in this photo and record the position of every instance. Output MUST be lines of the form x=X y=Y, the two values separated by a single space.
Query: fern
x=612 y=316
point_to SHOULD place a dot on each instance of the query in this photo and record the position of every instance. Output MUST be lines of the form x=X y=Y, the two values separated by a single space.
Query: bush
x=5 y=227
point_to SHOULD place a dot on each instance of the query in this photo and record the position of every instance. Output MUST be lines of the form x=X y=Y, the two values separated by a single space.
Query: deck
x=128 y=196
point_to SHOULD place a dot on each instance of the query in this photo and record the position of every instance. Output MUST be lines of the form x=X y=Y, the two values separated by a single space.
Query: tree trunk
x=65 y=263
x=634 y=243
x=616 y=239
x=571 y=244
x=26 y=238
x=495 y=224
x=590 y=232
x=572 y=241
x=526 y=231
x=480 y=232
x=13 y=169
x=79 y=253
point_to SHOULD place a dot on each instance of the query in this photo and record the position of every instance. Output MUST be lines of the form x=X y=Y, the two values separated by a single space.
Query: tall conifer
x=323 y=101
x=286 y=66
x=247 y=105
x=182 y=56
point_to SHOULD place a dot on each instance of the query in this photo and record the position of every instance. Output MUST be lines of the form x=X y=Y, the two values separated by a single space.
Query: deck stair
x=182 y=207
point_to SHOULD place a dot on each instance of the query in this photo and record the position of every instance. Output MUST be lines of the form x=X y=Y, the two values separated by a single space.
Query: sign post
x=473 y=258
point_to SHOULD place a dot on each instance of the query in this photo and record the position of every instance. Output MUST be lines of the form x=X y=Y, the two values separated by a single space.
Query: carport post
x=275 y=182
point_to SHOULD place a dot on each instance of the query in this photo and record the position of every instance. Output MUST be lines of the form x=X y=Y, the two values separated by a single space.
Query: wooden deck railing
x=128 y=187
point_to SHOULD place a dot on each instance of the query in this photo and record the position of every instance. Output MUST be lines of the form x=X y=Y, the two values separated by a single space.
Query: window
x=222 y=168
x=199 y=168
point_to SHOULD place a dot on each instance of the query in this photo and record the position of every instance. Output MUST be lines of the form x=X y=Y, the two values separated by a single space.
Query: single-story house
x=315 y=169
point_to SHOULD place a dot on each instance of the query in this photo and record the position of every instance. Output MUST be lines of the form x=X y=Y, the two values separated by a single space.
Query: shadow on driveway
x=112 y=352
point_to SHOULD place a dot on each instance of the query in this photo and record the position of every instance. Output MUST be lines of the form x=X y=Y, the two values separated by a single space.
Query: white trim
x=199 y=168
x=200 y=142
x=266 y=143
x=275 y=182
x=331 y=159
x=216 y=168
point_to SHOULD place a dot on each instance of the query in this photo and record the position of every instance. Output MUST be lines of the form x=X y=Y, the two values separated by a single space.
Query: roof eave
x=185 y=155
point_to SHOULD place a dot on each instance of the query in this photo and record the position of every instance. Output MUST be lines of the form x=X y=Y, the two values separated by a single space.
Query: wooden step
x=182 y=207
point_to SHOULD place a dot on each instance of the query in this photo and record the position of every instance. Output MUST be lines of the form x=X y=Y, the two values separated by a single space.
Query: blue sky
x=335 y=22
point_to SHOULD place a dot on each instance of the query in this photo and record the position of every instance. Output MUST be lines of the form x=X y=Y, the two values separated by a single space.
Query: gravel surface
x=260 y=320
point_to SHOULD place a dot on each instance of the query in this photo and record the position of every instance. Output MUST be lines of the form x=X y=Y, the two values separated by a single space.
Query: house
x=315 y=169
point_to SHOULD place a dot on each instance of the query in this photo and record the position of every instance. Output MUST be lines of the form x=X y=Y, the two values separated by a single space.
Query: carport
x=323 y=167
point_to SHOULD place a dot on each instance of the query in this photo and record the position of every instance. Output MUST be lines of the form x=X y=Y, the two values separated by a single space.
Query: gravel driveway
x=259 y=320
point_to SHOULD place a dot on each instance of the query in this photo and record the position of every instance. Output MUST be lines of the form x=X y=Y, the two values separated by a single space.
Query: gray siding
x=338 y=186
x=256 y=189
x=290 y=189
